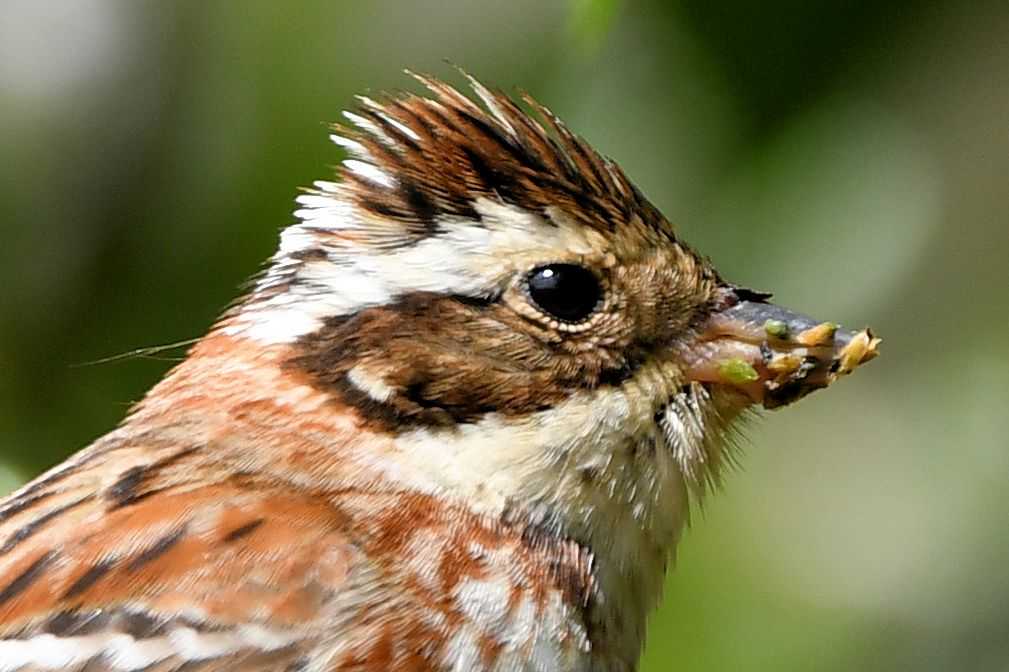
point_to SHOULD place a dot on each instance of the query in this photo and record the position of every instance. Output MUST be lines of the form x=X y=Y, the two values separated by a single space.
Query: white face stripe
x=465 y=258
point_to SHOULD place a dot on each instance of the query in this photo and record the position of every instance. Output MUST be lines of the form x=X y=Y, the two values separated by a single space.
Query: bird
x=456 y=423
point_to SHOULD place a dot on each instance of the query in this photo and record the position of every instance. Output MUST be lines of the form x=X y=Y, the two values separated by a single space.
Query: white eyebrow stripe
x=467 y=258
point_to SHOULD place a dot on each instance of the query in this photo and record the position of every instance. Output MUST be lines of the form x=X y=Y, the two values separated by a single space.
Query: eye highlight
x=566 y=292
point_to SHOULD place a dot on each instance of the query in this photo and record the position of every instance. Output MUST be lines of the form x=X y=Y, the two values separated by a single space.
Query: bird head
x=521 y=331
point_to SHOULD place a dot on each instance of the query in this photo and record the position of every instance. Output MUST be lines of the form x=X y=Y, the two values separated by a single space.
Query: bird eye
x=566 y=292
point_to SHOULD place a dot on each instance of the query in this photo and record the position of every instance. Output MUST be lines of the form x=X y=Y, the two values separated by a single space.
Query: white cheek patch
x=370 y=384
x=467 y=258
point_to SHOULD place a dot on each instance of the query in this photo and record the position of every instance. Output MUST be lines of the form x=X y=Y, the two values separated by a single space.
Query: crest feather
x=417 y=160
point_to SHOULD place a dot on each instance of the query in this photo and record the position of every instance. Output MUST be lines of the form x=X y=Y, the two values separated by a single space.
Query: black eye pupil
x=566 y=292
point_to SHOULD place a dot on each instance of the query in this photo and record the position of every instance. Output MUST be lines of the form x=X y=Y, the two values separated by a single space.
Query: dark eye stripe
x=445 y=361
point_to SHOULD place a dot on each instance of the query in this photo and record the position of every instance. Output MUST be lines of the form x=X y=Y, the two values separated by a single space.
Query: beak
x=772 y=354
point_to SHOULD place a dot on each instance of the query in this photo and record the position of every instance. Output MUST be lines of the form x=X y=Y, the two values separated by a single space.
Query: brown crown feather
x=446 y=152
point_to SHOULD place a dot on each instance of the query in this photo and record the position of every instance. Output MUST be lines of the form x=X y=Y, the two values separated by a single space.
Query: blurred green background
x=850 y=156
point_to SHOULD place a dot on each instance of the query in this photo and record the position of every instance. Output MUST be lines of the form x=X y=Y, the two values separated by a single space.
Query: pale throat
x=596 y=469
